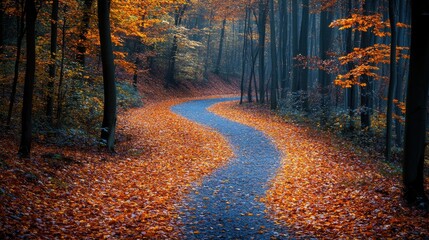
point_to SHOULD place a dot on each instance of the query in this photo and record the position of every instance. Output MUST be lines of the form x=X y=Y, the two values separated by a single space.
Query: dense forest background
x=90 y=83
x=326 y=59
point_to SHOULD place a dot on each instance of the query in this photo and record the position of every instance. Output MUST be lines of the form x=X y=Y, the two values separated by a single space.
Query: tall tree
x=415 y=123
x=27 y=105
x=393 y=79
x=303 y=50
x=109 y=114
x=365 y=81
x=274 y=68
x=20 y=25
x=295 y=45
x=52 y=65
x=262 y=22
x=324 y=44
x=170 y=80
x=219 y=56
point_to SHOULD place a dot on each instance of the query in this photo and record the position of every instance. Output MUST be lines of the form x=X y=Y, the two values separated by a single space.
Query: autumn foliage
x=88 y=194
x=328 y=188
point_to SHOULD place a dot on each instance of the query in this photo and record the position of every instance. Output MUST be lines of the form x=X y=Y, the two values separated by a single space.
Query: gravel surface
x=226 y=204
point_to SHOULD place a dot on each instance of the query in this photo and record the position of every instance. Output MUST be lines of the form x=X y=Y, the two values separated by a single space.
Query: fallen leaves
x=328 y=188
x=134 y=194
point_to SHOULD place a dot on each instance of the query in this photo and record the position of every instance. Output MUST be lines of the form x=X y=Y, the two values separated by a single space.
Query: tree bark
x=109 y=114
x=365 y=89
x=219 y=56
x=244 y=55
x=295 y=46
x=415 y=125
x=263 y=5
x=60 y=95
x=30 y=19
x=324 y=44
x=393 y=80
x=52 y=65
x=274 y=68
x=170 y=79
x=20 y=36
x=303 y=50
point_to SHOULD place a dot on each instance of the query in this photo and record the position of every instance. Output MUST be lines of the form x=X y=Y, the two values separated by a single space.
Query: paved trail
x=226 y=204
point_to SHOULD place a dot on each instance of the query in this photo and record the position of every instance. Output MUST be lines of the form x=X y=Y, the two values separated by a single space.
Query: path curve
x=226 y=204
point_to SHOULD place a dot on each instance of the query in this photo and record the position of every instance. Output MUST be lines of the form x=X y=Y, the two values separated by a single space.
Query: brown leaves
x=328 y=188
x=132 y=195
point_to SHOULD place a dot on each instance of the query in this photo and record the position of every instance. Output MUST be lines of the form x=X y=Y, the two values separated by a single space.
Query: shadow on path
x=226 y=204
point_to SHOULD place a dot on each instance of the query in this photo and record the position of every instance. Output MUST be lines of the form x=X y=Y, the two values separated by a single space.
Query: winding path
x=226 y=204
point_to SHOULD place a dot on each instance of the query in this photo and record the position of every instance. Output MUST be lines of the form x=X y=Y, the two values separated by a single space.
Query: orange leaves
x=364 y=23
x=327 y=188
x=132 y=195
x=367 y=61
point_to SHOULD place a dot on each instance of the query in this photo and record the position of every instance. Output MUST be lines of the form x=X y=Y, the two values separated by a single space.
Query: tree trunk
x=244 y=55
x=303 y=50
x=283 y=38
x=20 y=36
x=170 y=80
x=415 y=125
x=208 y=49
x=261 y=30
x=295 y=46
x=52 y=65
x=27 y=105
x=366 y=88
x=109 y=114
x=219 y=56
x=324 y=44
x=393 y=81
x=274 y=68
x=61 y=78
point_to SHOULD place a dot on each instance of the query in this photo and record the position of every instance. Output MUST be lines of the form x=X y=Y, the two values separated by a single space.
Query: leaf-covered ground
x=328 y=188
x=89 y=194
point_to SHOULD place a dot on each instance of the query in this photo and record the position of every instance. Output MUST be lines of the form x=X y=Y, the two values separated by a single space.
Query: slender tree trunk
x=61 y=78
x=20 y=36
x=283 y=38
x=244 y=55
x=303 y=50
x=30 y=19
x=219 y=56
x=393 y=77
x=109 y=116
x=324 y=44
x=263 y=5
x=208 y=49
x=415 y=125
x=52 y=65
x=295 y=46
x=274 y=68
x=135 y=77
x=170 y=79
x=365 y=89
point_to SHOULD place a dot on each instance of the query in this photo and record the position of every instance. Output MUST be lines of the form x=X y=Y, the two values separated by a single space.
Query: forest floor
x=329 y=188
x=325 y=187
x=82 y=192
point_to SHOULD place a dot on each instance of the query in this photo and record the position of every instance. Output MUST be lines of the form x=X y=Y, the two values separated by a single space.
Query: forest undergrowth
x=83 y=192
x=328 y=187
